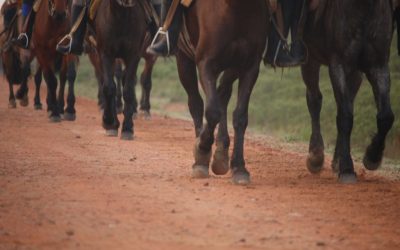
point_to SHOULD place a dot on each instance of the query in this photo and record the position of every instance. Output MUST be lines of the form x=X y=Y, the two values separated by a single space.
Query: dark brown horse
x=120 y=28
x=51 y=25
x=16 y=73
x=145 y=78
x=229 y=38
x=351 y=37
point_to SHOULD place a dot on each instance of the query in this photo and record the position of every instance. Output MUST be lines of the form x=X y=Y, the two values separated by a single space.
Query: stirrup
x=66 y=38
x=24 y=35
x=164 y=33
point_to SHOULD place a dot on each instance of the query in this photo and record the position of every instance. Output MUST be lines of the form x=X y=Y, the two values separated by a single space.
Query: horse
x=14 y=70
x=358 y=42
x=228 y=38
x=120 y=28
x=51 y=25
x=145 y=78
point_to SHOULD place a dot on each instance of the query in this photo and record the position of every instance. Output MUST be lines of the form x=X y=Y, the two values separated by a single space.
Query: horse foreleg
x=188 y=77
x=310 y=74
x=203 y=145
x=119 y=75
x=61 y=90
x=353 y=82
x=129 y=97
x=51 y=82
x=380 y=82
x=220 y=162
x=22 y=93
x=12 y=104
x=344 y=122
x=110 y=119
x=70 y=112
x=38 y=82
x=247 y=80
x=146 y=83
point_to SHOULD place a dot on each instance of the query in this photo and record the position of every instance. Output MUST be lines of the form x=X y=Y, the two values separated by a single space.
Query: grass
x=278 y=105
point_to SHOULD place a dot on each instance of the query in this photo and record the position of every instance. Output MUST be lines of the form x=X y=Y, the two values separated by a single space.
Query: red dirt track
x=68 y=186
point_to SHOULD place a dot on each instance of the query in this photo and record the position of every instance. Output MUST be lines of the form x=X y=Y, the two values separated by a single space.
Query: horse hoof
x=112 y=132
x=315 y=162
x=146 y=115
x=220 y=163
x=12 y=104
x=370 y=165
x=24 y=101
x=348 y=178
x=241 y=178
x=200 y=172
x=69 y=117
x=55 y=118
x=38 y=106
x=128 y=136
x=134 y=116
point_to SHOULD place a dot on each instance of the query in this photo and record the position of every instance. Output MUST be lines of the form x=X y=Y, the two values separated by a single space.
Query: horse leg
x=119 y=77
x=353 y=83
x=188 y=77
x=51 y=82
x=310 y=74
x=70 y=112
x=146 y=83
x=129 y=97
x=240 y=175
x=380 y=82
x=110 y=119
x=220 y=162
x=63 y=80
x=11 y=99
x=38 y=82
x=344 y=122
x=203 y=145
x=22 y=93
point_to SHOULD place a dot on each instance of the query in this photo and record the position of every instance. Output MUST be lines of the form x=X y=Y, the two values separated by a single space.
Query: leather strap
x=170 y=14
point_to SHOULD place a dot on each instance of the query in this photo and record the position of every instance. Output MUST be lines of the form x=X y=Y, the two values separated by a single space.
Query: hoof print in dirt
x=200 y=172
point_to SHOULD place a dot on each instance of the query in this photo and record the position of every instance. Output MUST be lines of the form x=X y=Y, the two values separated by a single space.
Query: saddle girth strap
x=170 y=15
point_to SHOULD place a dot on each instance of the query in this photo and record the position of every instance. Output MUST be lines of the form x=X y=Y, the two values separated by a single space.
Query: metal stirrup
x=66 y=37
x=164 y=33
x=20 y=36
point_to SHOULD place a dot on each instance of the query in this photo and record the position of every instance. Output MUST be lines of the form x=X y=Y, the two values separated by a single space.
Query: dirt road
x=68 y=186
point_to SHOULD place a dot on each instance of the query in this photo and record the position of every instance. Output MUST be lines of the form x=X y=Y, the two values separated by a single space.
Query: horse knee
x=213 y=115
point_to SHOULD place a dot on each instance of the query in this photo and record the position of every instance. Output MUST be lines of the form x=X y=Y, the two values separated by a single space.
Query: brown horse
x=228 y=38
x=120 y=28
x=16 y=73
x=51 y=25
x=145 y=78
x=357 y=42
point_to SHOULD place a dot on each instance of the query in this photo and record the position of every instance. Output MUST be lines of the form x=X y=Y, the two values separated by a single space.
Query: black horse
x=120 y=28
x=351 y=37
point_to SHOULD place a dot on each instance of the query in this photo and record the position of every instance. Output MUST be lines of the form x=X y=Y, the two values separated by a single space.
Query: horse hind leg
x=380 y=81
x=61 y=90
x=38 y=82
x=220 y=162
x=70 y=112
x=310 y=74
x=146 y=83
